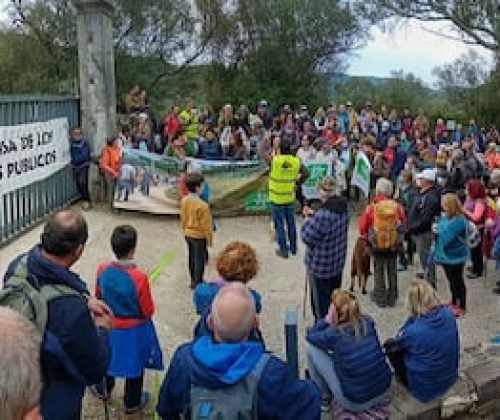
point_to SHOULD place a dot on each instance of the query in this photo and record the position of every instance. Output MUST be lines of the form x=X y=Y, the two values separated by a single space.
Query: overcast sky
x=412 y=48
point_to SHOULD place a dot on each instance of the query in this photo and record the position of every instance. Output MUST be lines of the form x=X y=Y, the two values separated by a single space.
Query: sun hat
x=428 y=174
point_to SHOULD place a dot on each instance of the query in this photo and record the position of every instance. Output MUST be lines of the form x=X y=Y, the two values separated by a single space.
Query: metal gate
x=22 y=208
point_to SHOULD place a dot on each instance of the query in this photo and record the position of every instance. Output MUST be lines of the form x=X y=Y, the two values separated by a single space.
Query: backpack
x=237 y=401
x=384 y=235
x=23 y=293
x=472 y=234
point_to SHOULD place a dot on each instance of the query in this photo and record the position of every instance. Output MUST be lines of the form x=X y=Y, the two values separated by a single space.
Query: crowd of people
x=434 y=193
x=224 y=371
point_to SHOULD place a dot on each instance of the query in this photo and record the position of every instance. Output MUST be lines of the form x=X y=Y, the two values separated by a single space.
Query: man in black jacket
x=424 y=210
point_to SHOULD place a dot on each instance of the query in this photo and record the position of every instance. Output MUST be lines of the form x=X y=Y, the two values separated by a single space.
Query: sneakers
x=326 y=405
x=98 y=392
x=421 y=276
x=145 y=397
x=473 y=276
x=281 y=254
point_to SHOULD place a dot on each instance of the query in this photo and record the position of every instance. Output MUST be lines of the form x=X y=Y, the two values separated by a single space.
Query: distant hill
x=341 y=78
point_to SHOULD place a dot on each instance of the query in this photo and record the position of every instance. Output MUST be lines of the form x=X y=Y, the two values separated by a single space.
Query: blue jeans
x=285 y=213
x=321 y=369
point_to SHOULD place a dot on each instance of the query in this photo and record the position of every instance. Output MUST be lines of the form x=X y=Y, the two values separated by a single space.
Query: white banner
x=31 y=152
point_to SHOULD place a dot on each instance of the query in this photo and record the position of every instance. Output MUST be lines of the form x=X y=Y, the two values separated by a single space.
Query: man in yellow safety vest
x=286 y=174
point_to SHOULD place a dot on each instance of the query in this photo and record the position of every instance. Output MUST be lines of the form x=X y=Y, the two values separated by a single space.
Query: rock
x=486 y=378
x=405 y=407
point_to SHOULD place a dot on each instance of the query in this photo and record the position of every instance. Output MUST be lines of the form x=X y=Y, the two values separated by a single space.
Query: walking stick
x=105 y=398
x=304 y=300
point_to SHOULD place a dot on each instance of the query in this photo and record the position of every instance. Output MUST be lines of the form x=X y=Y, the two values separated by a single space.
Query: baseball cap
x=303 y=107
x=428 y=174
x=263 y=102
x=348 y=103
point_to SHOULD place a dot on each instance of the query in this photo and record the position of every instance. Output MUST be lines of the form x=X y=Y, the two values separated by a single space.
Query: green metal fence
x=22 y=208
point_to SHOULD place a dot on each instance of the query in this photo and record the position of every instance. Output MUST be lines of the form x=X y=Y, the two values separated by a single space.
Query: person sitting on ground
x=325 y=235
x=209 y=148
x=425 y=352
x=20 y=374
x=226 y=374
x=236 y=262
x=345 y=358
x=382 y=224
x=134 y=344
x=135 y=100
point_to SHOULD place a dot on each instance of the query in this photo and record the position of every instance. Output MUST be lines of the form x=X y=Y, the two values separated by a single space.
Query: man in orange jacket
x=110 y=164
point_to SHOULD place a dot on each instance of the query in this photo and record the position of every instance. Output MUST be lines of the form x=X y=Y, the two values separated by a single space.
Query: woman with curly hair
x=236 y=262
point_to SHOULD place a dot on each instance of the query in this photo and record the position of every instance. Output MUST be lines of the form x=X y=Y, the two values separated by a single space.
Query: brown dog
x=360 y=265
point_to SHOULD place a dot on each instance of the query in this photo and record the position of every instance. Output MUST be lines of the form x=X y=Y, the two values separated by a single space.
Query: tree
x=476 y=22
x=280 y=47
x=470 y=86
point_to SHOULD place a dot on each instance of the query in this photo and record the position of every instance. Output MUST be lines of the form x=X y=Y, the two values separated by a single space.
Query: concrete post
x=96 y=70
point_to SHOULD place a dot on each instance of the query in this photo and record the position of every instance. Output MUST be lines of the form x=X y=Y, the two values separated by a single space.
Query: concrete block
x=486 y=378
x=405 y=407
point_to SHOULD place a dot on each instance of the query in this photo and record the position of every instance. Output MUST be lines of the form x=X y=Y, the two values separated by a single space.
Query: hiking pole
x=304 y=300
x=105 y=398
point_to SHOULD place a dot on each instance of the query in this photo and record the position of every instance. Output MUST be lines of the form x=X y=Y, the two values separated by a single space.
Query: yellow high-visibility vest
x=282 y=177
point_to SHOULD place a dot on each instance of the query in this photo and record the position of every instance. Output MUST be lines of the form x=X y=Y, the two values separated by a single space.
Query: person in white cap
x=424 y=210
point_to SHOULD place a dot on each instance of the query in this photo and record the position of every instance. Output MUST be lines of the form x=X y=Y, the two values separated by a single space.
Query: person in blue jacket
x=75 y=348
x=451 y=249
x=236 y=262
x=80 y=162
x=345 y=357
x=225 y=359
x=209 y=147
x=425 y=352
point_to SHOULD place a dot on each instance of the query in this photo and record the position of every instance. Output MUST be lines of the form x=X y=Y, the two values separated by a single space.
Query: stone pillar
x=97 y=71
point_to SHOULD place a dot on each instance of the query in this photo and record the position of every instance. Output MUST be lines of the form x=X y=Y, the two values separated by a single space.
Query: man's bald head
x=233 y=314
x=20 y=379
x=64 y=232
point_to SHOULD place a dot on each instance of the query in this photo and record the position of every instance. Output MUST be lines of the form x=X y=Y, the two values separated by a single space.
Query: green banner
x=235 y=187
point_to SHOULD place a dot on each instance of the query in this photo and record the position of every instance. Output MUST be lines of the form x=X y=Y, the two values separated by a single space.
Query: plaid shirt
x=325 y=235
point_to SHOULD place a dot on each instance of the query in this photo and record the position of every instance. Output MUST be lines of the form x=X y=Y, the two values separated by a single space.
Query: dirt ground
x=281 y=283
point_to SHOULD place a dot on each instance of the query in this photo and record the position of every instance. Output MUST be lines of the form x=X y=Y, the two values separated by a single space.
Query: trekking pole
x=105 y=398
x=304 y=300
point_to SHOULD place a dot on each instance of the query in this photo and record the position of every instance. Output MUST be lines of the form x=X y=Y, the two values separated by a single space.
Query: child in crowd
x=134 y=344
x=126 y=181
x=236 y=262
x=196 y=222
